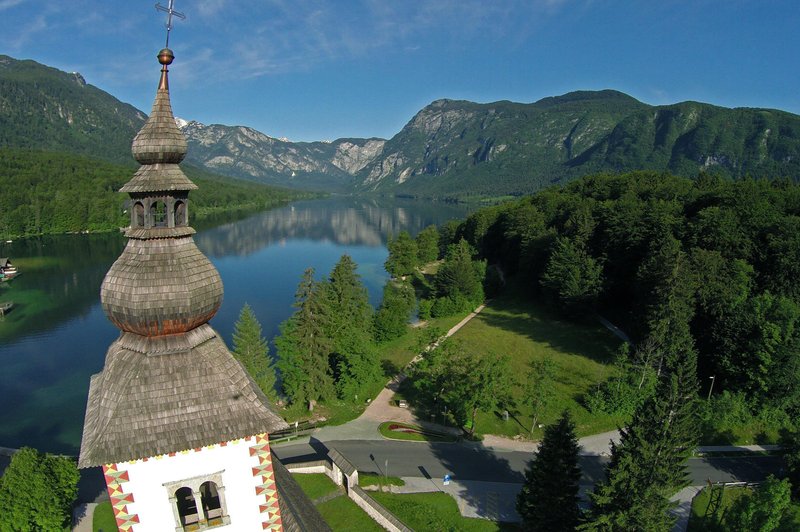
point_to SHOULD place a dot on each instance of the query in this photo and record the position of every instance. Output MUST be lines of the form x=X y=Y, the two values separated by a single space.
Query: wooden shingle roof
x=161 y=286
x=157 y=178
x=168 y=394
x=160 y=140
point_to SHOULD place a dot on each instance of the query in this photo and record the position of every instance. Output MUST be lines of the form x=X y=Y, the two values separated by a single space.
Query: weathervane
x=170 y=12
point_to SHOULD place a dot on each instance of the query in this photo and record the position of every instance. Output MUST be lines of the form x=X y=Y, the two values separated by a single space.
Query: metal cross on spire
x=170 y=13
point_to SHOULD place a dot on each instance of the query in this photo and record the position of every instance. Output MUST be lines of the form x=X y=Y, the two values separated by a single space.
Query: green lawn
x=394 y=356
x=704 y=519
x=371 y=479
x=527 y=331
x=315 y=485
x=103 y=519
x=341 y=513
x=434 y=511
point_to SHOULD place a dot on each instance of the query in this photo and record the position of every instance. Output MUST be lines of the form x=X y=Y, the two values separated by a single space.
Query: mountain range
x=449 y=149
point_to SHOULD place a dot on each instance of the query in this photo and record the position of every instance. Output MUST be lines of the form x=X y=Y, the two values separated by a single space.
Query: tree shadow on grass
x=541 y=325
x=511 y=415
x=390 y=369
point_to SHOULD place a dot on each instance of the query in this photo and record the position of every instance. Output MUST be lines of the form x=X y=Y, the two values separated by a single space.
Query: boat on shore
x=7 y=270
x=5 y=307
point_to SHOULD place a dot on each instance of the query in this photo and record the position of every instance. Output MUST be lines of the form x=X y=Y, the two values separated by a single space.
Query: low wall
x=320 y=466
x=378 y=513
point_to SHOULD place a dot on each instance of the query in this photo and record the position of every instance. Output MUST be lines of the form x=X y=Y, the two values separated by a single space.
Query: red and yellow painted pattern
x=267 y=488
x=120 y=500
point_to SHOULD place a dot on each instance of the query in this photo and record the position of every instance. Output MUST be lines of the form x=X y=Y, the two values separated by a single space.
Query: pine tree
x=649 y=463
x=303 y=346
x=252 y=351
x=572 y=276
x=459 y=275
x=548 y=500
x=353 y=357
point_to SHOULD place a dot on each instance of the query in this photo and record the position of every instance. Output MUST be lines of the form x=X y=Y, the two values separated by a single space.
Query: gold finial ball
x=165 y=56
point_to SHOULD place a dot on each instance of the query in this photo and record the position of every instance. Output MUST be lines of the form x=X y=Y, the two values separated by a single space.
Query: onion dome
x=161 y=284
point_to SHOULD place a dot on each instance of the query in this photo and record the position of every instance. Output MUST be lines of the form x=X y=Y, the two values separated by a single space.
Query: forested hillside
x=462 y=149
x=47 y=192
x=708 y=266
x=46 y=109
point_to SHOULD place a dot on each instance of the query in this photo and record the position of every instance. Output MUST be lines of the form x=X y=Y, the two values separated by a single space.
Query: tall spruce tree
x=649 y=464
x=251 y=349
x=303 y=346
x=353 y=357
x=548 y=500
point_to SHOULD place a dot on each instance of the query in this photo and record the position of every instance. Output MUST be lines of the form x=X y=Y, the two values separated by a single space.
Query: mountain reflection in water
x=344 y=221
x=57 y=335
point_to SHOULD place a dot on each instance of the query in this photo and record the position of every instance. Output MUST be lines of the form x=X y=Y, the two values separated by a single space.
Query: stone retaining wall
x=376 y=511
x=337 y=473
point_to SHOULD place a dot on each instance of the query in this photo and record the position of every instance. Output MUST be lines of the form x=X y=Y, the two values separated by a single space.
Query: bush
x=726 y=414
x=424 y=309
x=448 y=306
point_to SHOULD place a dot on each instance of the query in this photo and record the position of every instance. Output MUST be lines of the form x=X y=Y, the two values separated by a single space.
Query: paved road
x=471 y=462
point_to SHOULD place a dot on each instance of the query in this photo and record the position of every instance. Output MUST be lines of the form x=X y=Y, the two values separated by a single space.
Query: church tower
x=178 y=426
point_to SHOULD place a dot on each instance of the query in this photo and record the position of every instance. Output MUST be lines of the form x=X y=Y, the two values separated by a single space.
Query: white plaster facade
x=152 y=483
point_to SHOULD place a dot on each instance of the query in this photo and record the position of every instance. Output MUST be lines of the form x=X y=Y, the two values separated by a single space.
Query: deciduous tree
x=402 y=258
x=428 y=245
x=37 y=491
x=763 y=509
x=539 y=388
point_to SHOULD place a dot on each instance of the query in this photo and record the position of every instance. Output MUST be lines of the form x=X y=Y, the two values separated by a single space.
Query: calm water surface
x=57 y=335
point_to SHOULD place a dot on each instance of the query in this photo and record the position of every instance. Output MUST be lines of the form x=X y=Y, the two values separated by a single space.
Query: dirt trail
x=382 y=408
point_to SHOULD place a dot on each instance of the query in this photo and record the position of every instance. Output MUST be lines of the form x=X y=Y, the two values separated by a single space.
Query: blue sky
x=315 y=69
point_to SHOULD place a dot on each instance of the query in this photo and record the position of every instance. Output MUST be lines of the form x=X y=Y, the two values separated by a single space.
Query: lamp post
x=711 y=387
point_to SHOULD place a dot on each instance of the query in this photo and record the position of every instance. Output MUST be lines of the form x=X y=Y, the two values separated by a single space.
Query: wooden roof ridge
x=158 y=177
x=143 y=404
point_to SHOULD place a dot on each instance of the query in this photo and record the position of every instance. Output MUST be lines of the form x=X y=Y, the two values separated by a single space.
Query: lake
x=56 y=337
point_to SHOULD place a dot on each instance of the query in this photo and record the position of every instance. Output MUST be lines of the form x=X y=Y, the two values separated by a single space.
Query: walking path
x=82 y=517
x=365 y=427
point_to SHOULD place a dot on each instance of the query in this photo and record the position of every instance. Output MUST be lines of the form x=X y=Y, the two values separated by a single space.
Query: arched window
x=212 y=506
x=158 y=214
x=187 y=506
x=198 y=503
x=180 y=213
x=138 y=214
